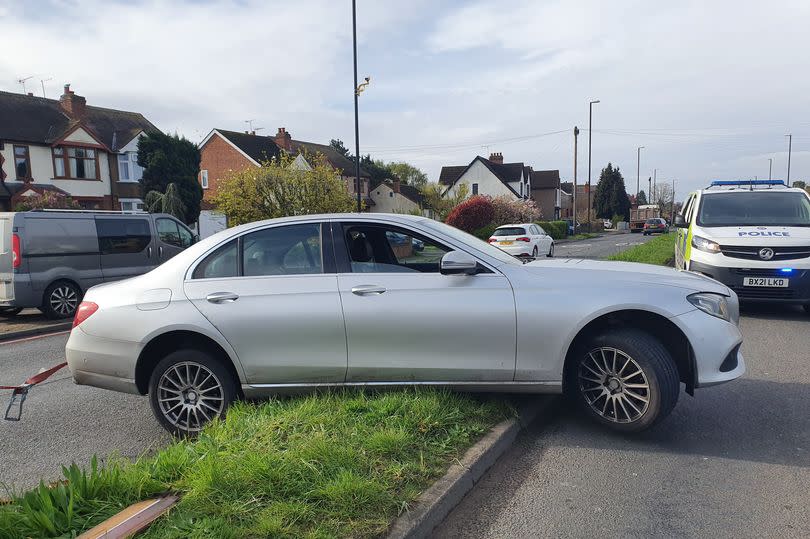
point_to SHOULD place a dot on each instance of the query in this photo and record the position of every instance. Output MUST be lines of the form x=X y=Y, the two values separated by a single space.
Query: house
x=397 y=197
x=70 y=148
x=491 y=177
x=566 y=200
x=546 y=193
x=223 y=152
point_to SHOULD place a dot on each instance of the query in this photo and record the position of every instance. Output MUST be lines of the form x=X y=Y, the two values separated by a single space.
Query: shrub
x=556 y=229
x=474 y=213
x=47 y=201
x=485 y=233
x=509 y=210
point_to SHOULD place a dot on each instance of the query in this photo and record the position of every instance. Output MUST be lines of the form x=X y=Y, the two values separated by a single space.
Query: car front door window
x=380 y=249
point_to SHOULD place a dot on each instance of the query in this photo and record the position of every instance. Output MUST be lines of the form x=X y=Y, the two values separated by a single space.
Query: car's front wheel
x=807 y=308
x=550 y=250
x=624 y=379
x=189 y=388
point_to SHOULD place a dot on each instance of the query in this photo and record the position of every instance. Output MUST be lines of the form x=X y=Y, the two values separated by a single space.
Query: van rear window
x=117 y=236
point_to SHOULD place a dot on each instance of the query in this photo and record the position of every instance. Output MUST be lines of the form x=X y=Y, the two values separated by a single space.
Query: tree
x=641 y=199
x=800 y=184
x=408 y=174
x=169 y=202
x=441 y=203
x=337 y=144
x=47 y=201
x=474 y=213
x=170 y=159
x=662 y=196
x=611 y=197
x=376 y=168
x=278 y=190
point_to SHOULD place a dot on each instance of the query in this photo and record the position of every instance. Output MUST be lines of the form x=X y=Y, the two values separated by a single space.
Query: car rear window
x=509 y=231
x=652 y=221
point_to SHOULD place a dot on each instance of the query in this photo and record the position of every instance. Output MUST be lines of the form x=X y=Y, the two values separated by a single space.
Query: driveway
x=734 y=461
x=601 y=247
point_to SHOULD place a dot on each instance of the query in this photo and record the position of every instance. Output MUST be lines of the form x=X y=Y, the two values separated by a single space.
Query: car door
x=682 y=234
x=172 y=238
x=273 y=295
x=544 y=245
x=126 y=246
x=406 y=322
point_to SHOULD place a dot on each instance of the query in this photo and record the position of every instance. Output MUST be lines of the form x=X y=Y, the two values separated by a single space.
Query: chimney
x=283 y=139
x=72 y=104
x=496 y=157
x=395 y=186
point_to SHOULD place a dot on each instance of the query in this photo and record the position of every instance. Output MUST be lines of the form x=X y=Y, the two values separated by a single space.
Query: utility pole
x=672 y=220
x=655 y=178
x=790 y=149
x=770 y=167
x=590 y=133
x=638 y=172
x=574 y=220
x=649 y=191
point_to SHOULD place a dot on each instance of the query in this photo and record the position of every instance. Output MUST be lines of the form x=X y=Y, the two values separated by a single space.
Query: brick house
x=70 y=148
x=223 y=152
x=546 y=193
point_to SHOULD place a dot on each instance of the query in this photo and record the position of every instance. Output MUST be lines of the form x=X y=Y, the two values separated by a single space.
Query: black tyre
x=189 y=388
x=807 y=308
x=624 y=379
x=10 y=311
x=551 y=250
x=61 y=299
x=534 y=252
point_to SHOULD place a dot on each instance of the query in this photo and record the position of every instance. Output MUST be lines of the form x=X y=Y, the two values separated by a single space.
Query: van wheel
x=189 y=388
x=61 y=300
x=10 y=311
x=807 y=308
x=625 y=380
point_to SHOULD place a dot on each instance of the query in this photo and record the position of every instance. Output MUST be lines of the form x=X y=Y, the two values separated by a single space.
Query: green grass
x=583 y=236
x=659 y=250
x=341 y=464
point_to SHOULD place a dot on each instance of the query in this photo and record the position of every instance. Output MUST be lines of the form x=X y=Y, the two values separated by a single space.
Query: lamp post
x=638 y=171
x=790 y=148
x=770 y=167
x=356 y=119
x=574 y=195
x=590 y=133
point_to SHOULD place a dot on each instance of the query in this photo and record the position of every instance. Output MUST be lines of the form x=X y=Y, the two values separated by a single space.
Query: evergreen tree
x=611 y=197
x=168 y=159
x=641 y=199
x=337 y=144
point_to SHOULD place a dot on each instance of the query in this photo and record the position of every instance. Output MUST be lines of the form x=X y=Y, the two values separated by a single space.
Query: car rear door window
x=222 y=263
x=116 y=236
x=283 y=250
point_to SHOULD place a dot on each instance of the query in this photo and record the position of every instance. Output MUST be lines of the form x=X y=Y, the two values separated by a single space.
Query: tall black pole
x=638 y=172
x=790 y=148
x=356 y=119
x=590 y=131
x=574 y=195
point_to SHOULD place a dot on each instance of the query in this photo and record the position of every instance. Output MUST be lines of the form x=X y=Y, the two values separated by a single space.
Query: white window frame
x=204 y=178
x=130 y=164
x=122 y=201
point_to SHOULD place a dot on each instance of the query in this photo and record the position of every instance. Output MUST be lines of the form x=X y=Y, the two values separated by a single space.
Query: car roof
x=515 y=224
x=748 y=190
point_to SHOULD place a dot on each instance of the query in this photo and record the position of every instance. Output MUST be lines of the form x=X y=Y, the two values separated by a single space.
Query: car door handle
x=222 y=297
x=367 y=290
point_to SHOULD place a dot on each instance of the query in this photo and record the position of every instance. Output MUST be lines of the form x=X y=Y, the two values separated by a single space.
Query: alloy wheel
x=190 y=395
x=64 y=300
x=614 y=385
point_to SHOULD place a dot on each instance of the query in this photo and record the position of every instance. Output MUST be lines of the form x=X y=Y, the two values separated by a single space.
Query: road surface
x=601 y=247
x=732 y=462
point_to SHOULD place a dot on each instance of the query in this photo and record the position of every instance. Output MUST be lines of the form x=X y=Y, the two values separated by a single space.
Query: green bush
x=556 y=229
x=484 y=233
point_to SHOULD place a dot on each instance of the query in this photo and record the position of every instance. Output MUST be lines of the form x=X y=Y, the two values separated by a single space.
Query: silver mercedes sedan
x=373 y=300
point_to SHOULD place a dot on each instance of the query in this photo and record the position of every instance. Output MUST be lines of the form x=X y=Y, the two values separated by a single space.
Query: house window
x=391 y=194
x=204 y=179
x=75 y=163
x=128 y=168
x=22 y=162
x=131 y=204
x=475 y=189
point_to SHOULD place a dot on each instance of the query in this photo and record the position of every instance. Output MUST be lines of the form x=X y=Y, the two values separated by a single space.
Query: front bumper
x=798 y=291
x=715 y=346
x=104 y=363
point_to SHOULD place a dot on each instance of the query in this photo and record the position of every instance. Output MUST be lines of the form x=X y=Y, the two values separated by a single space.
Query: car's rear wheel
x=188 y=389
x=61 y=299
x=623 y=379
x=550 y=250
x=534 y=252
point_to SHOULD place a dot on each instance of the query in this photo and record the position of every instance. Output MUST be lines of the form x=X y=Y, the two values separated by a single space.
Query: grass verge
x=659 y=250
x=583 y=236
x=339 y=464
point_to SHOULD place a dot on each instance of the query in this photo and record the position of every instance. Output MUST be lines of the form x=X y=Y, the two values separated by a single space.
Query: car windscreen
x=755 y=208
x=510 y=231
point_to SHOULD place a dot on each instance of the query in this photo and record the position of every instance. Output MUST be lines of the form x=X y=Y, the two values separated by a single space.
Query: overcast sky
x=709 y=88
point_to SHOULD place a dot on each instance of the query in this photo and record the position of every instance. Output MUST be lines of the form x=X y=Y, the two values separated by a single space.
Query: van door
x=172 y=238
x=6 y=257
x=126 y=246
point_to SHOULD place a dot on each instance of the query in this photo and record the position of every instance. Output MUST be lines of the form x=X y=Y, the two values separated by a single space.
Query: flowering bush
x=474 y=213
x=510 y=210
x=48 y=200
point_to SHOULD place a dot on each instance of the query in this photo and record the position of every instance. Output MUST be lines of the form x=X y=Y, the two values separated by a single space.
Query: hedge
x=556 y=229
x=485 y=233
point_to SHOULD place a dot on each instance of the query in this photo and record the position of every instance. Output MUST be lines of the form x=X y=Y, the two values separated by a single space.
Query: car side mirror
x=458 y=263
x=679 y=221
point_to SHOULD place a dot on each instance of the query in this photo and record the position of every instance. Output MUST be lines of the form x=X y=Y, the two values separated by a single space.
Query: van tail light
x=85 y=310
x=492 y=240
x=16 y=254
x=524 y=238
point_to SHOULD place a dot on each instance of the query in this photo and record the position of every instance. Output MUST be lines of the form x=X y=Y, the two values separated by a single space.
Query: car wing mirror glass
x=458 y=263
x=679 y=221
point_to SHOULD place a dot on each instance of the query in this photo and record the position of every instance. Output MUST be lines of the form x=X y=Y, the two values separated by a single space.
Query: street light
x=638 y=171
x=790 y=148
x=356 y=119
x=770 y=167
x=590 y=132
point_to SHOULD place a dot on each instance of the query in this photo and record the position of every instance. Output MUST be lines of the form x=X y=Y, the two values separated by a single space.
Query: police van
x=753 y=236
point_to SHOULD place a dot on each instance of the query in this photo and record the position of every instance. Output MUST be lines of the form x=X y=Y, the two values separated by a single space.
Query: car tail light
x=524 y=238
x=85 y=310
x=492 y=240
x=16 y=254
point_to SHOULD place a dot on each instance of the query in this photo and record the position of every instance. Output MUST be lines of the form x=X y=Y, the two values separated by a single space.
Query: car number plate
x=771 y=282
x=505 y=243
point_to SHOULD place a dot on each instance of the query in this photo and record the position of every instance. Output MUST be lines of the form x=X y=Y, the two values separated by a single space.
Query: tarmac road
x=600 y=247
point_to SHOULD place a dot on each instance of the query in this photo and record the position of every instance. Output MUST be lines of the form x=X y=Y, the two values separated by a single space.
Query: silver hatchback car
x=299 y=303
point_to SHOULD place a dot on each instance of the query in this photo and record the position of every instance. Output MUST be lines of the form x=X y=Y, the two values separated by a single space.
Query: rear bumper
x=103 y=363
x=798 y=291
x=517 y=250
x=22 y=292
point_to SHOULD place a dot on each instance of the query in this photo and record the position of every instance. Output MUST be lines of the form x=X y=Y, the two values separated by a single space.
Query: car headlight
x=713 y=304
x=705 y=245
